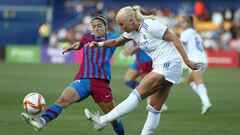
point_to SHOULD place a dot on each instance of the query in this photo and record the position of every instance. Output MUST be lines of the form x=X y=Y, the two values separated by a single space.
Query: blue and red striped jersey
x=96 y=61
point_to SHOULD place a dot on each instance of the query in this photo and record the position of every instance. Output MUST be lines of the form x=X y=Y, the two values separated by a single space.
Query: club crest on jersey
x=76 y=81
x=144 y=36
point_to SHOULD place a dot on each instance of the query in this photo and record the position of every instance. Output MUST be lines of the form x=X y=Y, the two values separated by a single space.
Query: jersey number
x=199 y=45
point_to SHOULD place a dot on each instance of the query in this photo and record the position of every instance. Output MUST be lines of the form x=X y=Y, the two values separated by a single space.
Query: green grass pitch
x=183 y=118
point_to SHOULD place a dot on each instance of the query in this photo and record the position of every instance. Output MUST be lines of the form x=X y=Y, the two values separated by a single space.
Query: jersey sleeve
x=83 y=40
x=183 y=37
x=156 y=28
x=127 y=35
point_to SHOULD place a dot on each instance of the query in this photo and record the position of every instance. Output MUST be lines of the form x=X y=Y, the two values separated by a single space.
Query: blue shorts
x=134 y=66
x=99 y=89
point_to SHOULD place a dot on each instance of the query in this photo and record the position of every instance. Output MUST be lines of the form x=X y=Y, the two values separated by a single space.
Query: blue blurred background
x=59 y=23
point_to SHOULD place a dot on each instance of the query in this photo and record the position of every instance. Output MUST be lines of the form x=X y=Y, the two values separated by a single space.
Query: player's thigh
x=150 y=84
x=158 y=98
x=101 y=90
x=76 y=91
x=197 y=77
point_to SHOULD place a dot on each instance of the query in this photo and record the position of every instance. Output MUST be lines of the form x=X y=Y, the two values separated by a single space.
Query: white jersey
x=149 y=39
x=194 y=45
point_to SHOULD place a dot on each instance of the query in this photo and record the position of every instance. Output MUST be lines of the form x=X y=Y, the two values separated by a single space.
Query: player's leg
x=154 y=108
x=76 y=91
x=131 y=76
x=144 y=69
x=116 y=124
x=68 y=96
x=149 y=85
x=191 y=82
x=202 y=91
x=102 y=94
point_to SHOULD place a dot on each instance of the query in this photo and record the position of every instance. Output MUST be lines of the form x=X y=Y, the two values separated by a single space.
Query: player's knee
x=128 y=83
x=189 y=81
x=63 y=102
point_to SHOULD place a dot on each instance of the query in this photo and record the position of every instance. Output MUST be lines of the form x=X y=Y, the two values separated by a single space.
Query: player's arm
x=110 y=43
x=74 y=46
x=133 y=50
x=168 y=36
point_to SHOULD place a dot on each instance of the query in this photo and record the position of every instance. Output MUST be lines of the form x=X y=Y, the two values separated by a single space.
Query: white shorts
x=171 y=70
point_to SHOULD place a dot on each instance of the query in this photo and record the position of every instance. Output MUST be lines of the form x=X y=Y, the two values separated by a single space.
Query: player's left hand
x=93 y=44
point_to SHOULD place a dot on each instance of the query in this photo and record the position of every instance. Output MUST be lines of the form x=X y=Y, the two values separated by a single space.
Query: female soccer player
x=140 y=67
x=195 y=51
x=167 y=54
x=93 y=78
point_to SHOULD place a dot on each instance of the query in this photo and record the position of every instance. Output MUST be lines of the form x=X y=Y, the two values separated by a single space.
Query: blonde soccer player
x=166 y=52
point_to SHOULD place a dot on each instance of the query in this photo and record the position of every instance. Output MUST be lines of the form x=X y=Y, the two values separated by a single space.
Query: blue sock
x=119 y=129
x=132 y=84
x=52 y=112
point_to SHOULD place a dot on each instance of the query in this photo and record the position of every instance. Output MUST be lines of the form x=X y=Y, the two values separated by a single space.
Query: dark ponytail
x=189 y=19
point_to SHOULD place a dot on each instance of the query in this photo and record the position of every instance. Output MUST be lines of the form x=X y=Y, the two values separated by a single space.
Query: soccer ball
x=34 y=103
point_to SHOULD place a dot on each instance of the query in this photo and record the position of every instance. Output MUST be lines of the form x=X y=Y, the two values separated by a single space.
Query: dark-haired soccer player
x=93 y=78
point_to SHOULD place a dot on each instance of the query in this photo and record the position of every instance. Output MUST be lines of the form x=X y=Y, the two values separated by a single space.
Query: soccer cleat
x=37 y=123
x=95 y=120
x=206 y=108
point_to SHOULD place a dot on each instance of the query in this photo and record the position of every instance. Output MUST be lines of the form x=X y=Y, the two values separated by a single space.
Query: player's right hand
x=74 y=46
x=65 y=49
x=193 y=65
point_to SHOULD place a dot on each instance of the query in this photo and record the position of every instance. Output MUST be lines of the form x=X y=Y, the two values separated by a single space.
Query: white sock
x=194 y=86
x=152 y=121
x=202 y=91
x=126 y=106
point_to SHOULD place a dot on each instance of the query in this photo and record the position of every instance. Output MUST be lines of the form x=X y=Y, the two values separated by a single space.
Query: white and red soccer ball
x=34 y=103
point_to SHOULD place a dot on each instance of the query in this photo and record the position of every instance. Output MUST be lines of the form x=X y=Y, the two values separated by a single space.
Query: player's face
x=183 y=23
x=126 y=24
x=98 y=27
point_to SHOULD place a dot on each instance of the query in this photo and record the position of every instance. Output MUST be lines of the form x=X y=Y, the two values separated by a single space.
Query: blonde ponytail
x=134 y=11
x=140 y=16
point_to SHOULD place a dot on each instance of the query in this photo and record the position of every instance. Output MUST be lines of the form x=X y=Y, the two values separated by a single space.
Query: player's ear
x=131 y=20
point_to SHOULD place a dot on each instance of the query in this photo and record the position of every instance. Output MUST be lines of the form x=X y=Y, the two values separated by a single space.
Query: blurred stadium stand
x=61 y=22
